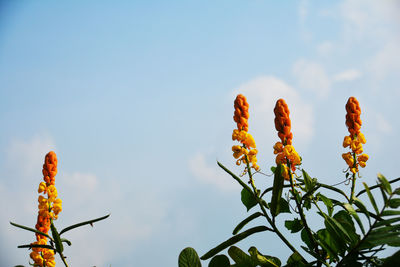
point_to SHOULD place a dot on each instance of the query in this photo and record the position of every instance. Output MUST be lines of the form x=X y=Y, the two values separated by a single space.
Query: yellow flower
x=361 y=138
x=348 y=158
x=249 y=141
x=362 y=160
x=285 y=172
x=356 y=146
x=37 y=258
x=42 y=187
x=288 y=150
x=280 y=159
x=237 y=151
x=52 y=193
x=57 y=208
x=346 y=141
x=278 y=147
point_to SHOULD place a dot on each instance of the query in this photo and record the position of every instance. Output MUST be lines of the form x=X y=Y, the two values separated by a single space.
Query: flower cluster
x=247 y=152
x=285 y=152
x=49 y=208
x=241 y=114
x=356 y=139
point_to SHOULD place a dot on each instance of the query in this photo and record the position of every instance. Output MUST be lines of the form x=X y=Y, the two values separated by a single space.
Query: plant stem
x=354 y=249
x=63 y=259
x=272 y=223
x=353 y=184
x=302 y=217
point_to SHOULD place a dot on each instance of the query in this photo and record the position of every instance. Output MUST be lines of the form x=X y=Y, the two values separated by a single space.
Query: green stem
x=63 y=259
x=302 y=217
x=354 y=249
x=353 y=184
x=272 y=223
x=376 y=186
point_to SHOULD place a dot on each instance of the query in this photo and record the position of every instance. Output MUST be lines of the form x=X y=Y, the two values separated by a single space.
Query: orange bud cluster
x=285 y=152
x=49 y=208
x=241 y=114
x=50 y=168
x=246 y=153
x=282 y=122
x=356 y=139
x=353 y=120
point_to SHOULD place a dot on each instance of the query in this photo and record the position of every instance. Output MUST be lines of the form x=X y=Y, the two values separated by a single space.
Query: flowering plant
x=49 y=207
x=352 y=234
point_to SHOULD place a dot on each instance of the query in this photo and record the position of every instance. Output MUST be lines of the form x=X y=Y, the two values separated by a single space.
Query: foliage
x=353 y=232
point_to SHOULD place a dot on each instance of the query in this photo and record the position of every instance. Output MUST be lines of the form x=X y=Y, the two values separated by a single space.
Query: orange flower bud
x=282 y=122
x=353 y=120
x=241 y=113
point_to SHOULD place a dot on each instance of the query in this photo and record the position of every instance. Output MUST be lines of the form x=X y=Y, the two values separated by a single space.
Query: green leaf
x=240 y=257
x=277 y=191
x=295 y=260
x=362 y=208
x=37 y=246
x=327 y=202
x=263 y=260
x=233 y=240
x=243 y=184
x=284 y=206
x=248 y=199
x=308 y=181
x=246 y=221
x=391 y=239
x=387 y=222
x=331 y=245
x=393 y=260
x=294 y=226
x=189 y=258
x=394 y=203
x=57 y=239
x=83 y=223
x=390 y=212
x=31 y=229
x=336 y=230
x=307 y=203
x=306 y=238
x=385 y=183
x=344 y=220
x=385 y=229
x=219 y=261
x=66 y=241
x=371 y=198
x=353 y=213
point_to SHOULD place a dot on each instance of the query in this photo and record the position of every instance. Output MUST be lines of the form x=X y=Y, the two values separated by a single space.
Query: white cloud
x=29 y=153
x=363 y=17
x=374 y=24
x=382 y=124
x=325 y=48
x=79 y=181
x=312 y=76
x=386 y=60
x=347 y=75
x=303 y=10
x=135 y=215
x=262 y=94
x=210 y=174
x=303 y=14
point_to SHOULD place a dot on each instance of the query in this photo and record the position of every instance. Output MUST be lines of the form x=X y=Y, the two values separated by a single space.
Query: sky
x=136 y=98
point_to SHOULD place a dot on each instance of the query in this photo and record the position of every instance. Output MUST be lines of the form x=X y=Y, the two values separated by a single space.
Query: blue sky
x=136 y=98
